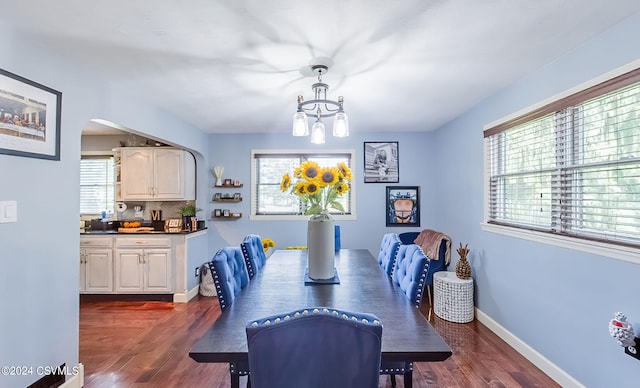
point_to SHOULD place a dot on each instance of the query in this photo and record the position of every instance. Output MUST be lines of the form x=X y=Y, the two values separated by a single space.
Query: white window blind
x=573 y=167
x=97 y=192
x=269 y=168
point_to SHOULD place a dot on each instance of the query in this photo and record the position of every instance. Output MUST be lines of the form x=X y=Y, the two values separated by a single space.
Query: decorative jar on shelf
x=217 y=172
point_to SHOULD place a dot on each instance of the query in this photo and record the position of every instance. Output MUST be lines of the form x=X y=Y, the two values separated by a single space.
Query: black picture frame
x=402 y=206
x=237 y=196
x=29 y=118
x=216 y=196
x=381 y=162
x=226 y=213
x=217 y=212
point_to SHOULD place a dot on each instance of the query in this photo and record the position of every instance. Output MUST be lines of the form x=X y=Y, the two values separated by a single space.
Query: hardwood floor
x=146 y=344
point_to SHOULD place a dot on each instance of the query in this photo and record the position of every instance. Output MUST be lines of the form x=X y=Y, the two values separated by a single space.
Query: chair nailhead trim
x=275 y=320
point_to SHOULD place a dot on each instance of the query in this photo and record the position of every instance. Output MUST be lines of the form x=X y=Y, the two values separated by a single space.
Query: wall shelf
x=227 y=200
x=226 y=197
x=229 y=218
x=227 y=186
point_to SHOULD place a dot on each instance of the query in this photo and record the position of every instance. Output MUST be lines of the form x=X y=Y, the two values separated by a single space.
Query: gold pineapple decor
x=463 y=269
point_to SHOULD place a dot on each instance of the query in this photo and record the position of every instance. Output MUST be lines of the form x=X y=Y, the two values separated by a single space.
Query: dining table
x=360 y=286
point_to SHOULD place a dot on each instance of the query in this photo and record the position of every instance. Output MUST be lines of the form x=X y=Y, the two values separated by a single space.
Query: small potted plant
x=188 y=212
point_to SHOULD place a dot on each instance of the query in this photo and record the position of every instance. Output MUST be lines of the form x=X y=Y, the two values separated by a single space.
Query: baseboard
x=184 y=298
x=549 y=368
x=75 y=381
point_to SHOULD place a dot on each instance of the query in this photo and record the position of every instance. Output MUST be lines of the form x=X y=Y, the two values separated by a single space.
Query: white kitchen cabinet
x=96 y=265
x=156 y=174
x=143 y=264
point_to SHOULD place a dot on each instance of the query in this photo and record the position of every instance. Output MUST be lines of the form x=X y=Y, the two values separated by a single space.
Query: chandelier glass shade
x=320 y=107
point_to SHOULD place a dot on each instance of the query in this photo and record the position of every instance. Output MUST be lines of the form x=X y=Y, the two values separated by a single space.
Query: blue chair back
x=410 y=273
x=388 y=251
x=408 y=237
x=229 y=274
x=315 y=348
x=253 y=253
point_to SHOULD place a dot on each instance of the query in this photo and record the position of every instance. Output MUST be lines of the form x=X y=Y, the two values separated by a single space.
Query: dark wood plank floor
x=146 y=344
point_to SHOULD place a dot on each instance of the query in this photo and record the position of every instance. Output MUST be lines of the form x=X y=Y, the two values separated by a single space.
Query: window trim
x=614 y=251
x=293 y=217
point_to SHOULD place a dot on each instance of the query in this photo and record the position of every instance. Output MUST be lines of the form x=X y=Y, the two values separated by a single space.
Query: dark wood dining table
x=364 y=287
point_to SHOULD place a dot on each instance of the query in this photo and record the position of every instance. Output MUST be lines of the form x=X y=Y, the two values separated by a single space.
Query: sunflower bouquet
x=318 y=187
x=268 y=243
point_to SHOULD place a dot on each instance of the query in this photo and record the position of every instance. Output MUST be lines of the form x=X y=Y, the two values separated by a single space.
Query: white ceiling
x=235 y=65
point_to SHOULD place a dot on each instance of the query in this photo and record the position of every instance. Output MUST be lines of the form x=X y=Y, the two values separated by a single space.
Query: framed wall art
x=403 y=206
x=381 y=162
x=29 y=118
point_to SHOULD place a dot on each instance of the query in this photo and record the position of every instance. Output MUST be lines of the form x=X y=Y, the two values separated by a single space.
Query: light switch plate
x=8 y=211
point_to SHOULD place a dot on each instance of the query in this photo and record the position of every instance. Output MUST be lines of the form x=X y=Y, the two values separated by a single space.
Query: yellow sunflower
x=301 y=188
x=329 y=176
x=311 y=187
x=341 y=188
x=345 y=171
x=308 y=170
x=285 y=183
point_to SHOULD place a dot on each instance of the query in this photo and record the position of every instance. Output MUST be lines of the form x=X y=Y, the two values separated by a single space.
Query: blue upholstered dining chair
x=410 y=274
x=253 y=253
x=230 y=276
x=315 y=348
x=388 y=252
x=435 y=263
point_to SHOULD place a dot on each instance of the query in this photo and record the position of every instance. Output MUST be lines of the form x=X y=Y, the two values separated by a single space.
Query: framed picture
x=226 y=213
x=237 y=196
x=381 y=162
x=228 y=182
x=217 y=196
x=403 y=206
x=217 y=212
x=29 y=118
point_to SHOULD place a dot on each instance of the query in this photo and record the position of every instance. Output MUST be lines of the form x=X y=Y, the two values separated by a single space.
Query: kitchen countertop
x=111 y=232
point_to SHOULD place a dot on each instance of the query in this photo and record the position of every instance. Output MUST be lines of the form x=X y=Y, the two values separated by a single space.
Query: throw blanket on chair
x=429 y=240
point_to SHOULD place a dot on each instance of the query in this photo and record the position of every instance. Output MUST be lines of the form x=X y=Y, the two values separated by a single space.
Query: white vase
x=321 y=246
x=218 y=182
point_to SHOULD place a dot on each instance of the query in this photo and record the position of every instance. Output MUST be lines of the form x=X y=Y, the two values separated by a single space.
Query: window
x=97 y=192
x=572 y=167
x=268 y=168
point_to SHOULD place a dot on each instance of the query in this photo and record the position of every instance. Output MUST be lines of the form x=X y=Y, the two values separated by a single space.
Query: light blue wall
x=416 y=169
x=197 y=254
x=39 y=258
x=559 y=301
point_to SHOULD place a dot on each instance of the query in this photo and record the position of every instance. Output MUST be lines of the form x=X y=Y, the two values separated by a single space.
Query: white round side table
x=453 y=297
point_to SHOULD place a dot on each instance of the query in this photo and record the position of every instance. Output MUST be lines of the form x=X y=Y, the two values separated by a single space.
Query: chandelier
x=320 y=108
